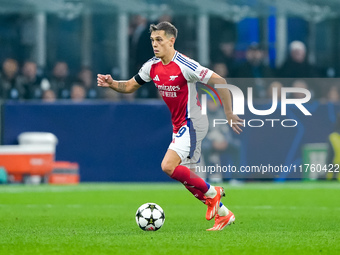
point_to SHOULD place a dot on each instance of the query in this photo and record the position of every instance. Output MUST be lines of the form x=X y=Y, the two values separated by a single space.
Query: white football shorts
x=187 y=141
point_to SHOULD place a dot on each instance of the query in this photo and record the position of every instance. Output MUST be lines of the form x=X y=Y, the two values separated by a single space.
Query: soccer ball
x=150 y=217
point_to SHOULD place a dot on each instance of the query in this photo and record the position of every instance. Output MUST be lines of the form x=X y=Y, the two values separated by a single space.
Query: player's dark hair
x=167 y=27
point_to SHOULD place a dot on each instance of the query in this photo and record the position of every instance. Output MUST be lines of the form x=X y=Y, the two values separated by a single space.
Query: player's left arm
x=225 y=95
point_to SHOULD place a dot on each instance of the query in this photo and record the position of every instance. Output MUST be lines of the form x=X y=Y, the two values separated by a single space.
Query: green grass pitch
x=271 y=218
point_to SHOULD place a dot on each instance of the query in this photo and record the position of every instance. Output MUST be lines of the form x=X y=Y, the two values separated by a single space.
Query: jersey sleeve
x=143 y=75
x=194 y=72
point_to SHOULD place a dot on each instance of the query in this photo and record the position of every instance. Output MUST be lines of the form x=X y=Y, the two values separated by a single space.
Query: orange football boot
x=222 y=221
x=214 y=203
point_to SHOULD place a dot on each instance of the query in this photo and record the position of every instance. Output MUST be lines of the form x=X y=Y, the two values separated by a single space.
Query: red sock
x=198 y=194
x=189 y=178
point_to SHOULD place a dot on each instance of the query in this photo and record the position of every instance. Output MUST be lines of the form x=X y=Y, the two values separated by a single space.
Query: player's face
x=161 y=44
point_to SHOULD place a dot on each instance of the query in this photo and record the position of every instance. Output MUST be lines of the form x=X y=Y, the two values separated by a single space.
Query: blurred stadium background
x=51 y=51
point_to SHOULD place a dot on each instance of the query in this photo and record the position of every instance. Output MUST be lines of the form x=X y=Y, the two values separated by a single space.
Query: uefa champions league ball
x=150 y=217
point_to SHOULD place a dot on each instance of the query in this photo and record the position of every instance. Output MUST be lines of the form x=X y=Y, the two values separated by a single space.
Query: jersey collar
x=175 y=55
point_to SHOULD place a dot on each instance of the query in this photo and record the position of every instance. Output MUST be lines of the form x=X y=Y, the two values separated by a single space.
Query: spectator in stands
x=255 y=67
x=130 y=96
x=86 y=77
x=297 y=65
x=60 y=80
x=141 y=49
x=221 y=69
x=10 y=86
x=30 y=80
x=223 y=45
x=300 y=84
x=333 y=155
x=49 y=96
x=78 y=91
x=226 y=56
x=274 y=84
x=334 y=94
x=111 y=95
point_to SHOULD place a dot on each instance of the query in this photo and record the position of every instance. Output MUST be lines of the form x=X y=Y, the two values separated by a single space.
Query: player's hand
x=235 y=122
x=104 y=80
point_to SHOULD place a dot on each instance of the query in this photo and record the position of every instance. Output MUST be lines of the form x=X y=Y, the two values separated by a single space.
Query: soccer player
x=175 y=76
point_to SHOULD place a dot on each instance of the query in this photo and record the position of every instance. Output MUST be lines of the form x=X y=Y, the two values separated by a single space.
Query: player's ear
x=172 y=41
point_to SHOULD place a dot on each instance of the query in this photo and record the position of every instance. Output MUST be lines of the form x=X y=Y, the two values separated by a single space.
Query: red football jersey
x=176 y=83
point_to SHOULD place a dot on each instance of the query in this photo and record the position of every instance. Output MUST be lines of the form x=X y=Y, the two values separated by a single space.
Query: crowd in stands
x=23 y=81
x=296 y=71
x=27 y=83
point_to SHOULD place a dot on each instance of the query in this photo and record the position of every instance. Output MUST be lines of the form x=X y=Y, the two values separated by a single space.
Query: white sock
x=223 y=211
x=211 y=193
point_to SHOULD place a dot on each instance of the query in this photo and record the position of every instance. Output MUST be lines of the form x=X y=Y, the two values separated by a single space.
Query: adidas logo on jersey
x=156 y=78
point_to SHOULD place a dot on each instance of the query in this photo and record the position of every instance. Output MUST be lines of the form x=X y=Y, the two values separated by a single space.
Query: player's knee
x=167 y=167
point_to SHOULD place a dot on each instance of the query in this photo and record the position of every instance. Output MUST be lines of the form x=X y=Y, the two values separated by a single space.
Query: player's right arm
x=129 y=86
x=106 y=81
